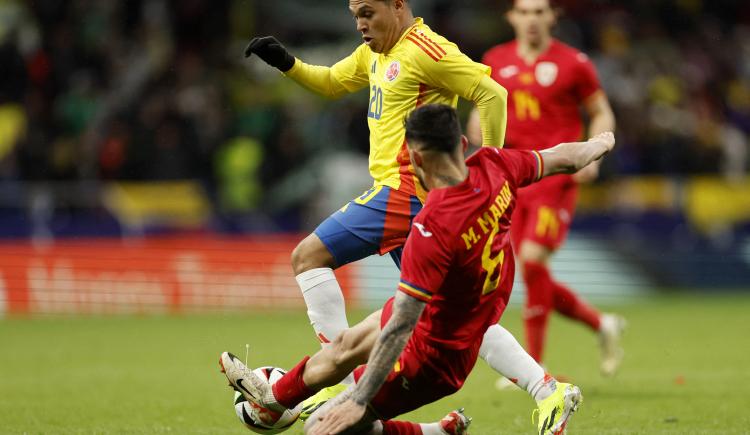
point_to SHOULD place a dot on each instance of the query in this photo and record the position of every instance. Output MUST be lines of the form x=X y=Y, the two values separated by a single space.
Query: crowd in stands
x=158 y=89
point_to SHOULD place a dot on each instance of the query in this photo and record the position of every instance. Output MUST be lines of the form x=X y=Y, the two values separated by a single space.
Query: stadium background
x=146 y=167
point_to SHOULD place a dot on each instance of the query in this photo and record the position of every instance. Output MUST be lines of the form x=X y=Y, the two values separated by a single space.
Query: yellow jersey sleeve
x=346 y=76
x=491 y=100
x=442 y=65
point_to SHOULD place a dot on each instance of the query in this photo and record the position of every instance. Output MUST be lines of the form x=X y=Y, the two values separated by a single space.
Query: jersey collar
x=463 y=186
x=418 y=21
x=552 y=45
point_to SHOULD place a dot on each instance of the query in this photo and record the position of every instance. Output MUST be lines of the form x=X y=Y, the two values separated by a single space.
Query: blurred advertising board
x=174 y=274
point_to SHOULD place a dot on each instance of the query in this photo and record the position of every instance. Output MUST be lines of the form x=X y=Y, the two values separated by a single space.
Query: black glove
x=271 y=51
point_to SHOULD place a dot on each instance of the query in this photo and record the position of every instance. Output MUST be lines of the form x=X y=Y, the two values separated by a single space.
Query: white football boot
x=610 y=332
x=257 y=392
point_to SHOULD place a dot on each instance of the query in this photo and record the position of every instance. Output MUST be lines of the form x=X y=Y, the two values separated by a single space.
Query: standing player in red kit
x=456 y=279
x=548 y=82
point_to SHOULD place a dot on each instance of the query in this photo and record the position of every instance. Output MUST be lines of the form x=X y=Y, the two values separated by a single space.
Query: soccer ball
x=242 y=408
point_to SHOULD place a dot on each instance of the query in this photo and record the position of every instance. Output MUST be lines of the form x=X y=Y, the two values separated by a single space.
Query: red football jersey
x=544 y=98
x=458 y=256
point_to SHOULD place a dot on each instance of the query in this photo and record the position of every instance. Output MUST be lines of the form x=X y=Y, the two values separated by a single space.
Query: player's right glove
x=271 y=51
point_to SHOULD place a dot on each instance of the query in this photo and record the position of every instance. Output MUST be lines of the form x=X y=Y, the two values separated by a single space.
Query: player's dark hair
x=435 y=127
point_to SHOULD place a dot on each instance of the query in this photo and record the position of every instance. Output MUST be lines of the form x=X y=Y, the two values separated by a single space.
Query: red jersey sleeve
x=587 y=81
x=491 y=56
x=523 y=167
x=425 y=261
x=487 y=60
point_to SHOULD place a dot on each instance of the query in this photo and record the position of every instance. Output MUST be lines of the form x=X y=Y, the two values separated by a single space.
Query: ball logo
x=393 y=70
x=546 y=73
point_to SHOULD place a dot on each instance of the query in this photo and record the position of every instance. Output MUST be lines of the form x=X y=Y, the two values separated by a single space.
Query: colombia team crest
x=393 y=70
x=546 y=73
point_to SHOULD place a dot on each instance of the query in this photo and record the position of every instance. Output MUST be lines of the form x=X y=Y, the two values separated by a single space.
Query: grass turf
x=685 y=371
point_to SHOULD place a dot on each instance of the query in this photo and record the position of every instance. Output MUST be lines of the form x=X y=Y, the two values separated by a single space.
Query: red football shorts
x=544 y=212
x=422 y=374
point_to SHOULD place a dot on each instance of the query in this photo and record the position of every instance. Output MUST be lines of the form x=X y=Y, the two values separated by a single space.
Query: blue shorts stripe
x=356 y=230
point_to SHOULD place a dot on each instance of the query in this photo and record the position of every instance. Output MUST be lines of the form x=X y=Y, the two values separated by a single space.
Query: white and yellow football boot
x=554 y=412
x=312 y=403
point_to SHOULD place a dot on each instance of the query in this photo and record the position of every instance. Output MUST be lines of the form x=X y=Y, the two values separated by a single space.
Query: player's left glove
x=271 y=51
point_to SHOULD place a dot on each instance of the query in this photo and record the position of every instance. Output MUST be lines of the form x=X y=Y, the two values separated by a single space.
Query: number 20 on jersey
x=375 y=110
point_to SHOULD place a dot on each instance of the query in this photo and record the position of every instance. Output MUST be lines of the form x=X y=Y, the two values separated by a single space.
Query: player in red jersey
x=456 y=278
x=548 y=82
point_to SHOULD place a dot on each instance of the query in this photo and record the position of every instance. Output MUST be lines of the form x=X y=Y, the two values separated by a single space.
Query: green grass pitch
x=685 y=372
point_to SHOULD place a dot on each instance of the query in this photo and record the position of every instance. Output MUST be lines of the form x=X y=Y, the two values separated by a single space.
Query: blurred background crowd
x=129 y=118
x=96 y=94
x=158 y=89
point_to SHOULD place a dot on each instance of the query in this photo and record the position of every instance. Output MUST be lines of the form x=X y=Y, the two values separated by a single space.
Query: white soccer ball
x=242 y=408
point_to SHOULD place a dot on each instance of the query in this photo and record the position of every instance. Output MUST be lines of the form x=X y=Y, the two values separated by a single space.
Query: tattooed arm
x=390 y=344
x=393 y=338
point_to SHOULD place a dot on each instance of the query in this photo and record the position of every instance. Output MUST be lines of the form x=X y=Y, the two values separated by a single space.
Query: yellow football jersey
x=422 y=68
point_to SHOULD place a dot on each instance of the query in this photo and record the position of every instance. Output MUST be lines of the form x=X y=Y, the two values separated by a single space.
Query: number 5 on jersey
x=492 y=263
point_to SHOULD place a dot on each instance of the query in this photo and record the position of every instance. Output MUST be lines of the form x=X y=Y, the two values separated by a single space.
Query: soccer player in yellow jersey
x=404 y=64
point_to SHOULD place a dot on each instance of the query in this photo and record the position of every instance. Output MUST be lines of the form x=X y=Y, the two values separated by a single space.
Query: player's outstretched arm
x=491 y=101
x=568 y=158
x=601 y=119
x=471 y=81
x=390 y=344
x=348 y=75
x=474 y=128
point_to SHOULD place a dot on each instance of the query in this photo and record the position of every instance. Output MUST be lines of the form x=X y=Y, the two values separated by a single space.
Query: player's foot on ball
x=242 y=378
x=455 y=423
x=257 y=392
x=554 y=412
x=312 y=404
x=610 y=332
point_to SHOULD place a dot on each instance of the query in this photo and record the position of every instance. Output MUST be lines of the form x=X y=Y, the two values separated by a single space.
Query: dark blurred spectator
x=237 y=165
x=13 y=120
x=158 y=89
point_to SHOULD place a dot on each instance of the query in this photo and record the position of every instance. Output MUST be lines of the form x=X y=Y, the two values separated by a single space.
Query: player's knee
x=338 y=343
x=353 y=346
x=298 y=256
x=346 y=352
x=309 y=254
x=339 y=346
x=536 y=311
x=532 y=252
